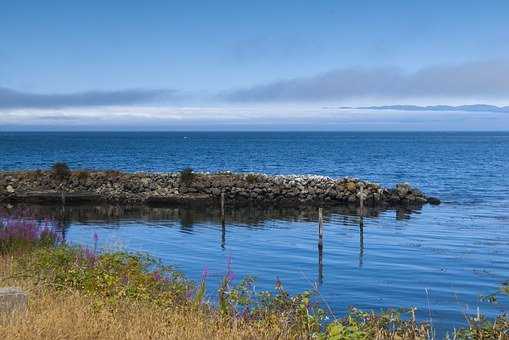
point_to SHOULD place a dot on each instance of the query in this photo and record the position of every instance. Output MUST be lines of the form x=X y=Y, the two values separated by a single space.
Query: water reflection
x=361 y=244
x=320 y=264
x=186 y=217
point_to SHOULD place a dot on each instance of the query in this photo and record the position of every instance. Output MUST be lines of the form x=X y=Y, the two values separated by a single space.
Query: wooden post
x=222 y=208
x=320 y=246
x=362 y=196
x=223 y=222
x=320 y=228
x=63 y=197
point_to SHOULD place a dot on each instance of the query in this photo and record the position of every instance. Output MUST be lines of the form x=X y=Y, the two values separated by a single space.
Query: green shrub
x=82 y=175
x=479 y=327
x=251 y=178
x=60 y=171
x=113 y=276
x=187 y=176
x=113 y=173
x=385 y=325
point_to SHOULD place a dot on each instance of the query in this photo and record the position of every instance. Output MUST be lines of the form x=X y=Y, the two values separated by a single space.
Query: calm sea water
x=440 y=259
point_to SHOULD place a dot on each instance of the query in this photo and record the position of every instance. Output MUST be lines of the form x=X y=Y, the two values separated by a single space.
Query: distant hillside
x=470 y=108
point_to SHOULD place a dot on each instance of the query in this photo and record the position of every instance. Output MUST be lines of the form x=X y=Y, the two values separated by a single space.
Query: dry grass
x=61 y=314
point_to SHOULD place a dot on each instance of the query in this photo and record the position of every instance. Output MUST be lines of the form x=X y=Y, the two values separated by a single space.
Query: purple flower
x=89 y=257
x=279 y=284
x=230 y=276
x=95 y=238
x=16 y=230
x=204 y=273
x=157 y=276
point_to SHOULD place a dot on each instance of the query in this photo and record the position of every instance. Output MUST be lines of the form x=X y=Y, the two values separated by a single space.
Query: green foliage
x=385 y=325
x=251 y=178
x=110 y=275
x=82 y=175
x=187 y=176
x=298 y=312
x=113 y=173
x=60 y=171
x=350 y=330
x=200 y=293
x=479 y=327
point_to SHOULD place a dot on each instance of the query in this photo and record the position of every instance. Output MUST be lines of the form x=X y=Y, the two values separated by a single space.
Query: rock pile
x=116 y=187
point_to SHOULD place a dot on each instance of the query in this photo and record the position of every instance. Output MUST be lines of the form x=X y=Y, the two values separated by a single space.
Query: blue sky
x=238 y=56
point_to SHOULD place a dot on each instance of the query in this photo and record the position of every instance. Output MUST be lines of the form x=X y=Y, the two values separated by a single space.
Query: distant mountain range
x=469 y=108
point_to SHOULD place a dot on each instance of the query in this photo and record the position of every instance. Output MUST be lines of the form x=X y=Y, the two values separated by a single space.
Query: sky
x=259 y=64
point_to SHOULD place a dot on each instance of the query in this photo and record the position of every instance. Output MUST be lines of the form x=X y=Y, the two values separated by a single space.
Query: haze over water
x=439 y=258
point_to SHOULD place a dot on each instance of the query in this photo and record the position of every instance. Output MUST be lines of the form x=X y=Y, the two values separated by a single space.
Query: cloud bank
x=11 y=99
x=478 y=79
x=303 y=117
x=315 y=102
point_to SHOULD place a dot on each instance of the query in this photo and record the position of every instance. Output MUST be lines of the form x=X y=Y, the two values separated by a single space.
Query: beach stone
x=12 y=299
x=433 y=200
x=9 y=189
x=403 y=189
x=351 y=186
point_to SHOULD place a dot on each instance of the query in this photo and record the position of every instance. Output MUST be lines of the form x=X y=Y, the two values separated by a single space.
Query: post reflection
x=223 y=234
x=320 y=264
x=361 y=245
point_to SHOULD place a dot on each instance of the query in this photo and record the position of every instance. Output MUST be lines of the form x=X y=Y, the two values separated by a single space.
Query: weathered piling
x=362 y=196
x=222 y=209
x=223 y=223
x=320 y=246
x=320 y=228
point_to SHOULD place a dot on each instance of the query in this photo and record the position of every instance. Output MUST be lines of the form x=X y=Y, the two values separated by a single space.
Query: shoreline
x=190 y=188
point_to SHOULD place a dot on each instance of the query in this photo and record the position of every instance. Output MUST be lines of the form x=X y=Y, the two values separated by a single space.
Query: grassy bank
x=80 y=293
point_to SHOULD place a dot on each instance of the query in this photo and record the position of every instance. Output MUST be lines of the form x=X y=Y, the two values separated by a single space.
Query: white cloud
x=480 y=80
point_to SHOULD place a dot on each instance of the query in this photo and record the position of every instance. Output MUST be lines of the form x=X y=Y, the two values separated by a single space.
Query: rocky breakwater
x=187 y=187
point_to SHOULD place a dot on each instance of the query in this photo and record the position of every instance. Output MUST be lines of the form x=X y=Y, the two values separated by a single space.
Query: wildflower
x=157 y=276
x=204 y=273
x=89 y=257
x=230 y=275
x=279 y=284
x=95 y=238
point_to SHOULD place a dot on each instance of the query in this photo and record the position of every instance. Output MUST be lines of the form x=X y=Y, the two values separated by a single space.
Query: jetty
x=188 y=187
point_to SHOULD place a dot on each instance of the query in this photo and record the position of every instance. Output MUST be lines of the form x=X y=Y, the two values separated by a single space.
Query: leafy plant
x=388 y=324
x=187 y=176
x=60 y=171
x=109 y=275
x=251 y=178
x=82 y=175
x=479 y=327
